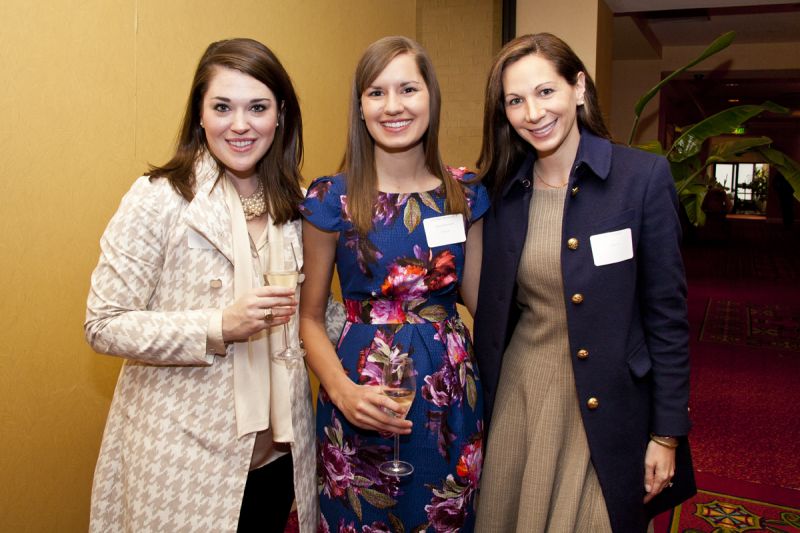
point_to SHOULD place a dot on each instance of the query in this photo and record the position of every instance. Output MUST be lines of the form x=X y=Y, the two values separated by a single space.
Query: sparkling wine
x=282 y=279
x=402 y=396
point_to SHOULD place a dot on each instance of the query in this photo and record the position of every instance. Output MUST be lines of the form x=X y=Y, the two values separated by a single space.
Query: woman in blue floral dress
x=404 y=234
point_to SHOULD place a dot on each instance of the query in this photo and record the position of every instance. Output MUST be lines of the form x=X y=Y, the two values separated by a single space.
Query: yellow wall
x=633 y=78
x=462 y=37
x=91 y=92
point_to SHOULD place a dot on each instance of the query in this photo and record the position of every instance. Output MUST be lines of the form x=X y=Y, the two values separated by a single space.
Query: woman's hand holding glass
x=258 y=309
x=366 y=407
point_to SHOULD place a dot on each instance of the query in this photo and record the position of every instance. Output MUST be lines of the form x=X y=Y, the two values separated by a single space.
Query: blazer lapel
x=208 y=215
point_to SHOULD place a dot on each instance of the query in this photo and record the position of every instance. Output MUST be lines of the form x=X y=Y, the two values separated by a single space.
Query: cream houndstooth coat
x=170 y=459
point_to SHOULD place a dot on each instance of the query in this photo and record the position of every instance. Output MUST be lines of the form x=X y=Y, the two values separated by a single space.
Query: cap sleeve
x=477 y=195
x=323 y=203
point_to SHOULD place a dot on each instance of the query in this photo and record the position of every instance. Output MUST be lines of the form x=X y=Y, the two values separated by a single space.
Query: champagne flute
x=286 y=278
x=399 y=384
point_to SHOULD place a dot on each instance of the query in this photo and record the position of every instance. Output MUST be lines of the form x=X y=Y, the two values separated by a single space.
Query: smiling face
x=541 y=105
x=396 y=106
x=239 y=116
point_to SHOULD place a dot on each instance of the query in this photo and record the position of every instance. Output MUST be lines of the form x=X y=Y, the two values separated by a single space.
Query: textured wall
x=461 y=37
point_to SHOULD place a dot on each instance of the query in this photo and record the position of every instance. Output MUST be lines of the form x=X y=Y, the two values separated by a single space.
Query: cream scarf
x=260 y=386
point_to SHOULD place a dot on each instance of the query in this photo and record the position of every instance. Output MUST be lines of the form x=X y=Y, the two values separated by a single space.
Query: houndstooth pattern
x=170 y=459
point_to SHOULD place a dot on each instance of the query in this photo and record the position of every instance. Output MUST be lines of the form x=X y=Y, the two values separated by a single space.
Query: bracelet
x=667 y=442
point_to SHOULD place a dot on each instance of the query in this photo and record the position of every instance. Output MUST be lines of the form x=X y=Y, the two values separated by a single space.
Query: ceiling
x=642 y=27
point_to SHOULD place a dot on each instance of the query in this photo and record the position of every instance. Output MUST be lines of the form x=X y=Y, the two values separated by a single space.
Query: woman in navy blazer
x=623 y=289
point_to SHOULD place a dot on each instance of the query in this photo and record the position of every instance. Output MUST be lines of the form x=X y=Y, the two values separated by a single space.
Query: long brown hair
x=279 y=169
x=502 y=150
x=358 y=163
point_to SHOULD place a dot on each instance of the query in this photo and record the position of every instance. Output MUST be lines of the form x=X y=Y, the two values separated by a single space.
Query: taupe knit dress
x=538 y=475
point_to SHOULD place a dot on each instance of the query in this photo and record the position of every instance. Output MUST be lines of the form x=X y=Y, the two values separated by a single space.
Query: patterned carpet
x=756 y=325
x=730 y=506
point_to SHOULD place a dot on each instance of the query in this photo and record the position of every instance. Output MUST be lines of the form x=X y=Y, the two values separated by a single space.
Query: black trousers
x=268 y=497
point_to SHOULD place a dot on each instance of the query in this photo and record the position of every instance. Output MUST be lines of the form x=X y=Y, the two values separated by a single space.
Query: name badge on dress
x=197 y=241
x=612 y=247
x=443 y=230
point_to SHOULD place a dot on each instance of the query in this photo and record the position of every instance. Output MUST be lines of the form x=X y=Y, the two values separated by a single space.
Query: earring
x=361 y=113
x=277 y=124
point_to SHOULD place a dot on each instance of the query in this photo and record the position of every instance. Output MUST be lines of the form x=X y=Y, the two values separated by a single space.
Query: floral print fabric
x=400 y=297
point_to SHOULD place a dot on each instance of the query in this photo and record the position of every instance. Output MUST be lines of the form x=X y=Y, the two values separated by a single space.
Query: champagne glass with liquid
x=399 y=384
x=286 y=278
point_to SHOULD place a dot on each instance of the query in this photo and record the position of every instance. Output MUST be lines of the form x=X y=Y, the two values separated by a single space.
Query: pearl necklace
x=254 y=205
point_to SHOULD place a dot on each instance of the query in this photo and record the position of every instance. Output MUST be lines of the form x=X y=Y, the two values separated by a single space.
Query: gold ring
x=268 y=316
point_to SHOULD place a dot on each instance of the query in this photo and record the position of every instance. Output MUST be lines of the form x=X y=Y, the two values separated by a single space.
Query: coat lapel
x=208 y=215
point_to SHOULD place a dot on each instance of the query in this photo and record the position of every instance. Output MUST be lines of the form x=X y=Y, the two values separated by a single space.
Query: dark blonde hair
x=358 y=163
x=279 y=169
x=502 y=150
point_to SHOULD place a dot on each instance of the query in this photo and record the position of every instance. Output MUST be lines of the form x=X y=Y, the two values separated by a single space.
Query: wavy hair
x=502 y=150
x=279 y=168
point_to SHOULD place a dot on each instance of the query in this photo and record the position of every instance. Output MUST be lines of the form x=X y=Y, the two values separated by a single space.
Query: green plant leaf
x=785 y=165
x=692 y=204
x=654 y=147
x=729 y=149
x=682 y=170
x=691 y=140
x=720 y=43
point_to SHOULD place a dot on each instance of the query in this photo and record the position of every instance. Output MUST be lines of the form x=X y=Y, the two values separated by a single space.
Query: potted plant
x=685 y=154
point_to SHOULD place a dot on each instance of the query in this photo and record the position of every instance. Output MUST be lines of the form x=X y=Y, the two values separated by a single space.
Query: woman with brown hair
x=208 y=431
x=581 y=331
x=403 y=231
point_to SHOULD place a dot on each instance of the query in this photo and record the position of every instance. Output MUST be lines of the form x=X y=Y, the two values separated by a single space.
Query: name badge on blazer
x=197 y=241
x=611 y=247
x=443 y=230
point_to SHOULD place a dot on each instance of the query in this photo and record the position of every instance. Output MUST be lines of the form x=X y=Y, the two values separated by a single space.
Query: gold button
x=575 y=190
x=593 y=403
x=572 y=243
x=577 y=298
x=583 y=353
x=216 y=283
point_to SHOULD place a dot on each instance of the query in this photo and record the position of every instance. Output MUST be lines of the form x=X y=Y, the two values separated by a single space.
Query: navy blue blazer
x=627 y=321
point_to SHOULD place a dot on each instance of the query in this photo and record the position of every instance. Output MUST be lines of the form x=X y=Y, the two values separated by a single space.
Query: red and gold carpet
x=731 y=506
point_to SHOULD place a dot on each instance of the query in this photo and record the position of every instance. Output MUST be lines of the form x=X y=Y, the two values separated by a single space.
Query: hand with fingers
x=659 y=467
x=367 y=407
x=256 y=310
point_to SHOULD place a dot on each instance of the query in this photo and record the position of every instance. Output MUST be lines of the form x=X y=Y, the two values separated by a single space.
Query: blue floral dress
x=400 y=297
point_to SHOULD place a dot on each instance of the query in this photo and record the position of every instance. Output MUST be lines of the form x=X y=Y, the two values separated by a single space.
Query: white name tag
x=612 y=247
x=443 y=230
x=198 y=241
